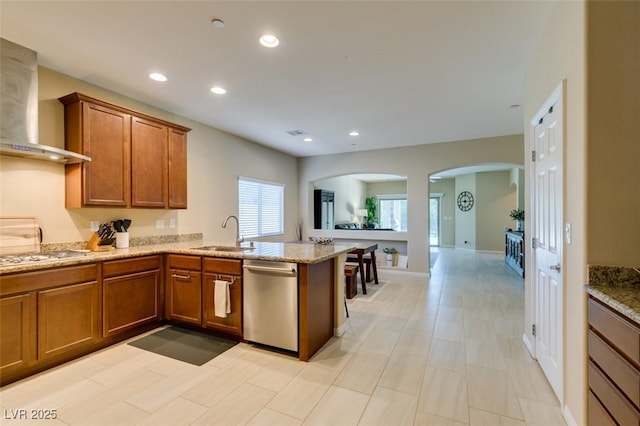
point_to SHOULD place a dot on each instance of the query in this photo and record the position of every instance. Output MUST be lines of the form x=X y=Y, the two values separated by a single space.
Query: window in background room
x=434 y=221
x=393 y=212
x=260 y=208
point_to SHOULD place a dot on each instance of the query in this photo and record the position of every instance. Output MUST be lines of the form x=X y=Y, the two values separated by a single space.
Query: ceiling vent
x=296 y=132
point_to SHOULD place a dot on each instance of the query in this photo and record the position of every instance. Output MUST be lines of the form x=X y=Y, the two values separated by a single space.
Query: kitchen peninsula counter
x=120 y=293
x=281 y=252
x=616 y=287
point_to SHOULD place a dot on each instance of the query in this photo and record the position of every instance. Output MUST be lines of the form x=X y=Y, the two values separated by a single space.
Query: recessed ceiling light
x=218 y=90
x=307 y=139
x=354 y=133
x=157 y=76
x=269 y=40
x=218 y=23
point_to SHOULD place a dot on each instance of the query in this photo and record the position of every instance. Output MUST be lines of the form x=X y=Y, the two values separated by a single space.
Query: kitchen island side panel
x=316 y=293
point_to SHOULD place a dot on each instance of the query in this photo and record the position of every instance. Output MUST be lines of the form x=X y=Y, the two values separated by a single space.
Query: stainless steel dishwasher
x=270 y=294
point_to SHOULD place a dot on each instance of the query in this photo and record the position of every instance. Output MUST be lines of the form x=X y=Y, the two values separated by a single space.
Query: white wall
x=349 y=195
x=494 y=201
x=466 y=220
x=215 y=160
x=417 y=163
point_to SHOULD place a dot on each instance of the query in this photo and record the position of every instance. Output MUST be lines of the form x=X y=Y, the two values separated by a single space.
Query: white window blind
x=261 y=208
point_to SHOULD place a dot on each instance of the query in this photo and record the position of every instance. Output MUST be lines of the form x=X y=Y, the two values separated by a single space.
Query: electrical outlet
x=95 y=225
x=159 y=224
x=172 y=223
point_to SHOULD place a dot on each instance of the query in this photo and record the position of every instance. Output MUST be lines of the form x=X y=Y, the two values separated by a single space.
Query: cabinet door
x=68 y=318
x=232 y=323
x=104 y=135
x=17 y=332
x=149 y=169
x=130 y=300
x=177 y=169
x=184 y=299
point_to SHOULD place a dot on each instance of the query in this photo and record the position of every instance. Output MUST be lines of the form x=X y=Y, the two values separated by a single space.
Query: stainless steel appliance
x=19 y=107
x=41 y=256
x=20 y=238
x=270 y=297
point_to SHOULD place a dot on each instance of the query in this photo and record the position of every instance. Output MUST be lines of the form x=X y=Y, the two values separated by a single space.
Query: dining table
x=361 y=249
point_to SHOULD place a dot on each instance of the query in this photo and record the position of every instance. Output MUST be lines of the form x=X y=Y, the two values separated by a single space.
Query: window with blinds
x=261 y=208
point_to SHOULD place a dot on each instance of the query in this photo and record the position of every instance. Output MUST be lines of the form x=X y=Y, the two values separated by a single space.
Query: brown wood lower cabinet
x=131 y=293
x=184 y=291
x=68 y=318
x=17 y=330
x=316 y=297
x=229 y=270
x=614 y=367
x=52 y=316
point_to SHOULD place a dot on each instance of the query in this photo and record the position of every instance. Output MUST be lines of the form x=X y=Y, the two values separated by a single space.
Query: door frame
x=558 y=95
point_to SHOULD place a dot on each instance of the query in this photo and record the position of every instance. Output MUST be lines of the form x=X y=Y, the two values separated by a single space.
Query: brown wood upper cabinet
x=136 y=160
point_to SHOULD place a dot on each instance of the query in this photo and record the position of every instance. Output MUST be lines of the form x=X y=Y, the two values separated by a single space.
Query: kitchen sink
x=224 y=248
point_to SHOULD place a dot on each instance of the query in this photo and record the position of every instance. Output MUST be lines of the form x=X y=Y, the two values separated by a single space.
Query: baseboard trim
x=528 y=345
x=568 y=417
x=403 y=272
x=339 y=331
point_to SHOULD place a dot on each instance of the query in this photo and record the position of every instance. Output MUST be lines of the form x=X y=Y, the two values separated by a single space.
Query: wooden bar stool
x=351 y=281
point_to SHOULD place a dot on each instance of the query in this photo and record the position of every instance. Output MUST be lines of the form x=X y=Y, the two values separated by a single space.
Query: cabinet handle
x=181 y=277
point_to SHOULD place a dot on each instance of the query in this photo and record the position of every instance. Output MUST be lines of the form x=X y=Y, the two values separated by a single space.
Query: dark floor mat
x=184 y=345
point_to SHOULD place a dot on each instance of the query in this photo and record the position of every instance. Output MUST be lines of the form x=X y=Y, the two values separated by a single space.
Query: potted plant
x=371 y=205
x=518 y=216
x=392 y=256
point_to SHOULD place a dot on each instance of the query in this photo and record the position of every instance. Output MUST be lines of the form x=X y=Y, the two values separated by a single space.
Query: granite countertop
x=617 y=287
x=282 y=252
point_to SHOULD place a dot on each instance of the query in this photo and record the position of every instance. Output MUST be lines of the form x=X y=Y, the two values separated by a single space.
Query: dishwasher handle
x=279 y=271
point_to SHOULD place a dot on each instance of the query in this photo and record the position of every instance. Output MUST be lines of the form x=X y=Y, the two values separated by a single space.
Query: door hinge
x=533 y=329
x=533 y=155
x=534 y=242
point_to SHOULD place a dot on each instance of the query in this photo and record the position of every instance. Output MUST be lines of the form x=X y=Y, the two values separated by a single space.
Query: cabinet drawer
x=222 y=266
x=619 y=408
x=28 y=281
x=178 y=261
x=130 y=266
x=598 y=416
x=624 y=335
x=613 y=365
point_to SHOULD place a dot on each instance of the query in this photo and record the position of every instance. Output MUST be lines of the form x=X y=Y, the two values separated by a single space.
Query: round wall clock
x=465 y=201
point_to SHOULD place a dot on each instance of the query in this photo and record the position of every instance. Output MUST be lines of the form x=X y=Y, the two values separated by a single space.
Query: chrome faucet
x=239 y=239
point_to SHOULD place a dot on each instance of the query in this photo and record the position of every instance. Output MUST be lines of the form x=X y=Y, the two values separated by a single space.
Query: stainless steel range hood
x=19 y=107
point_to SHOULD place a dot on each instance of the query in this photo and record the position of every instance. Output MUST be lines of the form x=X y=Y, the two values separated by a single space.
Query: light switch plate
x=567 y=233
x=172 y=223
x=95 y=225
x=159 y=224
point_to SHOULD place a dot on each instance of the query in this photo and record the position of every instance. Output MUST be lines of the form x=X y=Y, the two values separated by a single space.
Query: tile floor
x=417 y=351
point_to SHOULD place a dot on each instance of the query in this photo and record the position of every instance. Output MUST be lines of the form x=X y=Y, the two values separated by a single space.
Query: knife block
x=93 y=245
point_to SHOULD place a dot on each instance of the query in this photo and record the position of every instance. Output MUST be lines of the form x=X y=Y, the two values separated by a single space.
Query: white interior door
x=547 y=231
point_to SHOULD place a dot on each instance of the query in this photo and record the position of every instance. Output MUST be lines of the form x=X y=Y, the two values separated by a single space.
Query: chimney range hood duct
x=19 y=107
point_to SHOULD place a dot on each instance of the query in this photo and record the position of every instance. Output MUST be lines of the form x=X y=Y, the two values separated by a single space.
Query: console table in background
x=514 y=251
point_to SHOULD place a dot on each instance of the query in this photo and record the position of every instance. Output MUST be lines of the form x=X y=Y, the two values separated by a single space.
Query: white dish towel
x=222 y=300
